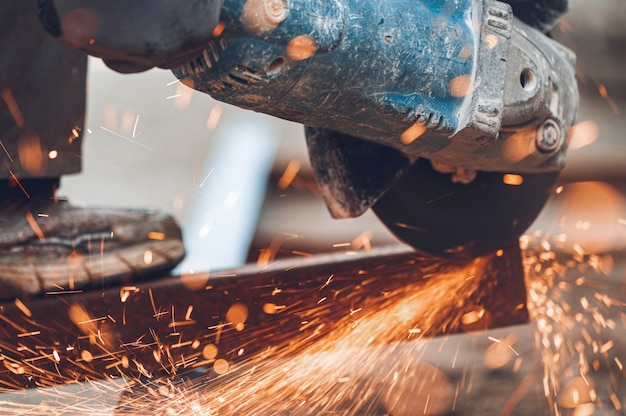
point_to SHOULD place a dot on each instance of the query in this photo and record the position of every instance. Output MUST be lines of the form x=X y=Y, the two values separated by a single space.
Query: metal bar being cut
x=218 y=322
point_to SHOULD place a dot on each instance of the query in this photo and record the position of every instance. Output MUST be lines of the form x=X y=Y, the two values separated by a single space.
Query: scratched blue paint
x=380 y=66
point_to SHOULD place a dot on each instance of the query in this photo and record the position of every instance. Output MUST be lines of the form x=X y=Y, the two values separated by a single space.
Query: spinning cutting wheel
x=432 y=214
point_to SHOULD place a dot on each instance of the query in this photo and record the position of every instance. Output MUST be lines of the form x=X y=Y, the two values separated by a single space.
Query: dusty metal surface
x=174 y=325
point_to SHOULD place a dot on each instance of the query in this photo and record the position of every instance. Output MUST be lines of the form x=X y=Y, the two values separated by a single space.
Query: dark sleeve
x=541 y=14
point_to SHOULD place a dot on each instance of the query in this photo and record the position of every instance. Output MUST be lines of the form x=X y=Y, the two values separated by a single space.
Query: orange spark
x=214 y=117
x=460 y=86
x=268 y=254
x=362 y=241
x=237 y=315
x=221 y=366
x=34 y=226
x=6 y=152
x=301 y=47
x=210 y=351
x=188 y=313
x=86 y=356
x=155 y=235
x=289 y=174
x=492 y=41
x=604 y=93
x=29 y=334
x=147 y=257
x=30 y=153
x=512 y=179
x=14 y=109
x=413 y=133
x=22 y=307
x=217 y=32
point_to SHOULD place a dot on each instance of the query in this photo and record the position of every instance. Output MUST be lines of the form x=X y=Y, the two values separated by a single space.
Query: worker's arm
x=540 y=14
x=133 y=36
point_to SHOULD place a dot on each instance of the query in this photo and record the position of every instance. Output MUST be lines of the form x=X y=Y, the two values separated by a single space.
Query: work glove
x=133 y=36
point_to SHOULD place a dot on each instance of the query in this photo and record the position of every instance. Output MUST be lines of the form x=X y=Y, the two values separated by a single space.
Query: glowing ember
x=86 y=356
x=147 y=257
x=604 y=93
x=14 y=109
x=154 y=235
x=214 y=117
x=237 y=315
x=289 y=174
x=492 y=41
x=513 y=180
x=460 y=86
x=413 y=133
x=217 y=32
x=301 y=47
x=221 y=366
x=209 y=352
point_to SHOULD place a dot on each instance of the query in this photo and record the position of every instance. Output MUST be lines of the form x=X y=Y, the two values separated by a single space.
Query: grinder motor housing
x=462 y=83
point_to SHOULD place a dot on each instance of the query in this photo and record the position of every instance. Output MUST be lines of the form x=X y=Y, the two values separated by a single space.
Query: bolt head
x=549 y=136
x=276 y=10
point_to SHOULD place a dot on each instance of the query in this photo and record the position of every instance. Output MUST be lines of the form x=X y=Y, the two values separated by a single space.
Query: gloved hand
x=133 y=36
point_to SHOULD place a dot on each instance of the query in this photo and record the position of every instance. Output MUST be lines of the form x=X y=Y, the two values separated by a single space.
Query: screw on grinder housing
x=379 y=84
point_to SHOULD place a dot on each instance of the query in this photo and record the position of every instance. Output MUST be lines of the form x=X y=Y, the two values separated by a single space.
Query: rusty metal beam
x=177 y=324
